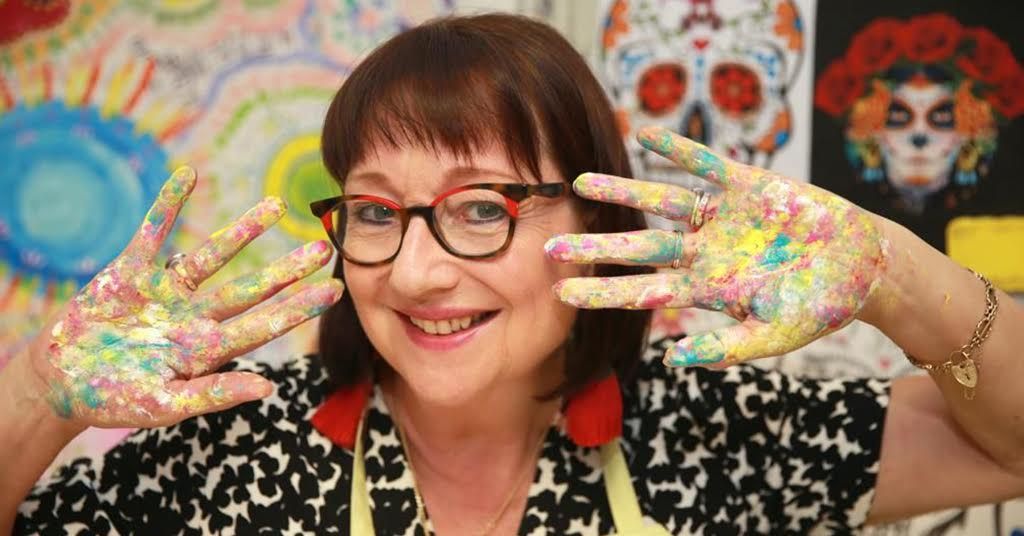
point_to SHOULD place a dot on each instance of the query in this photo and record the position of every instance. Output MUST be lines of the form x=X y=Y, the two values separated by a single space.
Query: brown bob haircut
x=457 y=84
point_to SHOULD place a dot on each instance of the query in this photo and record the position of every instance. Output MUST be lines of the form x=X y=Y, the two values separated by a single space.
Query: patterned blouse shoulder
x=254 y=466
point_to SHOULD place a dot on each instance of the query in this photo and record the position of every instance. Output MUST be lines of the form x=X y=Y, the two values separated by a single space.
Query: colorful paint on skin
x=134 y=347
x=628 y=292
x=657 y=248
x=791 y=261
x=692 y=157
x=653 y=197
x=222 y=245
x=154 y=226
x=250 y=289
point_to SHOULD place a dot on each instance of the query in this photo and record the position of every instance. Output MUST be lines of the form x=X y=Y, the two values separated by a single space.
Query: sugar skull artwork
x=718 y=71
x=921 y=101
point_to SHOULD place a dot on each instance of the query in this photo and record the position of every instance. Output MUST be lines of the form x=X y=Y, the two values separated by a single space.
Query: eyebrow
x=459 y=173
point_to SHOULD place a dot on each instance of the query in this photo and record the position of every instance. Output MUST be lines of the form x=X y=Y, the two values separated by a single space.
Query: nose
x=422 y=268
x=696 y=125
x=919 y=139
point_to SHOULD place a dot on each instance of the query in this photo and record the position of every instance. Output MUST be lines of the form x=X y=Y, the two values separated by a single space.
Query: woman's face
x=515 y=324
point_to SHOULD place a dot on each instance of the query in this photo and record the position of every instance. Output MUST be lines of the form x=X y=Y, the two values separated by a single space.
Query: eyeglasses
x=471 y=222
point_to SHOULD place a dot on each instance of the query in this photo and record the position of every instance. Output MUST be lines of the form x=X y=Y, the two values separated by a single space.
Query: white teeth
x=445 y=327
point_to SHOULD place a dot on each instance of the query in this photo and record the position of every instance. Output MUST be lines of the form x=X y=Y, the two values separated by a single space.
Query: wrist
x=26 y=404
x=923 y=301
x=889 y=294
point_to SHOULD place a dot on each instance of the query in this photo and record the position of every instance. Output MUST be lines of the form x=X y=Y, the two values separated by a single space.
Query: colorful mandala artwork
x=257 y=143
x=36 y=31
x=348 y=30
x=82 y=156
x=100 y=99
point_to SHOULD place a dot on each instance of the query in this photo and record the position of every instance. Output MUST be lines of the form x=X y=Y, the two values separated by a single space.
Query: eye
x=735 y=89
x=941 y=115
x=483 y=212
x=661 y=88
x=899 y=115
x=375 y=213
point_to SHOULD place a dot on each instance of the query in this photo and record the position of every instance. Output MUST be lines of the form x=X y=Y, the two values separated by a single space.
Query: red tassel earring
x=338 y=417
x=593 y=416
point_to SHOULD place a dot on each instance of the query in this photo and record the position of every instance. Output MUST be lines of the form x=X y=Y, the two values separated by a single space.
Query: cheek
x=947 y=141
x=361 y=285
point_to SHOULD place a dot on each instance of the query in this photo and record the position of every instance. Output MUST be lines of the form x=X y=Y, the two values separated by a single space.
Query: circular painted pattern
x=76 y=185
x=297 y=175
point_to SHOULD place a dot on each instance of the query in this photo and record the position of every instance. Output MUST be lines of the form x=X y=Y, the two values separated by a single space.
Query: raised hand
x=792 y=262
x=138 y=345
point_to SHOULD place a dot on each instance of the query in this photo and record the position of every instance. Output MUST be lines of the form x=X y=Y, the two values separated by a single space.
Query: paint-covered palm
x=792 y=262
x=139 y=345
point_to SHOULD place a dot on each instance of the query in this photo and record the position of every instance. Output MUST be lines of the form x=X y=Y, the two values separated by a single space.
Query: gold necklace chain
x=421 y=509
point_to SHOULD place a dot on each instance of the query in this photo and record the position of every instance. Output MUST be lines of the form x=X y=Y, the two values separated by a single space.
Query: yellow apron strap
x=629 y=521
x=361 y=520
x=621 y=496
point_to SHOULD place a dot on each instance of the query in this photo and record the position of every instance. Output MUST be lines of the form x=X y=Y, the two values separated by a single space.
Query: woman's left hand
x=791 y=261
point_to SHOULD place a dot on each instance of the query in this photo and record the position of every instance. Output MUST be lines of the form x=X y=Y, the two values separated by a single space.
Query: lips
x=440 y=329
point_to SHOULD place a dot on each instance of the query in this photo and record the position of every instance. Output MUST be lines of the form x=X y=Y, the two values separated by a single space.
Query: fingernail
x=263 y=389
x=184 y=173
x=336 y=288
x=558 y=248
x=650 y=136
x=320 y=250
x=182 y=181
x=274 y=205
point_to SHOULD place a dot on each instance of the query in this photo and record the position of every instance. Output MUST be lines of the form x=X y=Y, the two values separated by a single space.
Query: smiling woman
x=492 y=102
x=484 y=373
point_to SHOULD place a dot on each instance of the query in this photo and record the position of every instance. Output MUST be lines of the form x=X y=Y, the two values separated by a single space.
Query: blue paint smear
x=776 y=253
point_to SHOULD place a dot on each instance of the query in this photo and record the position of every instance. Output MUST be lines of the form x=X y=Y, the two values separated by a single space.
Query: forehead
x=412 y=169
x=922 y=95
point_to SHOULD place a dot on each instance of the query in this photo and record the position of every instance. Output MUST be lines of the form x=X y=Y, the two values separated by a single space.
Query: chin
x=448 y=387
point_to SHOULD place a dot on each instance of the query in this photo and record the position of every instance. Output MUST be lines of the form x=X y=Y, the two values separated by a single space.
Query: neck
x=498 y=430
x=472 y=463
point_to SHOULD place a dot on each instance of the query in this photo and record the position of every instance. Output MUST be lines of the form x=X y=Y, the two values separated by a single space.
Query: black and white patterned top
x=731 y=452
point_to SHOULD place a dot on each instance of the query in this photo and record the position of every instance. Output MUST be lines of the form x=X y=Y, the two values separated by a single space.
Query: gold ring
x=699 y=208
x=174 y=262
x=677 y=261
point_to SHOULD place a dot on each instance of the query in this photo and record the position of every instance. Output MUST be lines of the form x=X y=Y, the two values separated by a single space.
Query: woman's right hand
x=139 y=345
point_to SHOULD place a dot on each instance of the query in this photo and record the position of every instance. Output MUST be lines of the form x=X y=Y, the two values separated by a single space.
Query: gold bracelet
x=962 y=363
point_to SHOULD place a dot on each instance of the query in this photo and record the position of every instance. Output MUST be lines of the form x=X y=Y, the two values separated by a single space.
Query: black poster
x=919 y=109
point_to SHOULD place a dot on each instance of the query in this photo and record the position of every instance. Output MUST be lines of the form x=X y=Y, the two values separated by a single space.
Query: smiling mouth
x=451 y=325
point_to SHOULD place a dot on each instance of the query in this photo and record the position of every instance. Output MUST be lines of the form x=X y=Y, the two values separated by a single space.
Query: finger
x=750 y=339
x=693 y=157
x=222 y=245
x=212 y=393
x=666 y=200
x=161 y=216
x=647 y=248
x=239 y=295
x=646 y=291
x=259 y=327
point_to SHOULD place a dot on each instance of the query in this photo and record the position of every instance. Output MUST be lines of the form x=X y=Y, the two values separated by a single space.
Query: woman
x=455 y=395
